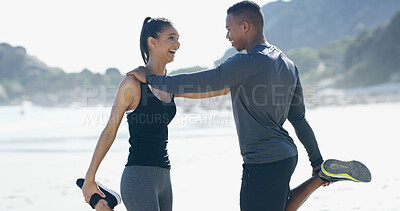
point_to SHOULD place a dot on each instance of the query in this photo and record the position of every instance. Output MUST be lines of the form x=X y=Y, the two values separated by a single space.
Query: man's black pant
x=265 y=187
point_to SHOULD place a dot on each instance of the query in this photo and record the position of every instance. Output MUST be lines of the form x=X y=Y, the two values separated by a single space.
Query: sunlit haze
x=96 y=35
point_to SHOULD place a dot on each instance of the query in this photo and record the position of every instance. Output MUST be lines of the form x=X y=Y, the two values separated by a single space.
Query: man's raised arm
x=231 y=73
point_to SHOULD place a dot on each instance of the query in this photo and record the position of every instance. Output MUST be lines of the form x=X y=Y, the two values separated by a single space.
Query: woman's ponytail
x=143 y=41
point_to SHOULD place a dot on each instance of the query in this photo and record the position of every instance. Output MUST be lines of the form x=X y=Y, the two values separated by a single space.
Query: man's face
x=235 y=33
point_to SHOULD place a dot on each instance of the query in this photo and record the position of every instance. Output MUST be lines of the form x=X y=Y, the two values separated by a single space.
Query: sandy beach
x=206 y=165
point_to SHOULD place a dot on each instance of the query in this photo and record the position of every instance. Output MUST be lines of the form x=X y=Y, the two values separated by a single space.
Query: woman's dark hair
x=151 y=28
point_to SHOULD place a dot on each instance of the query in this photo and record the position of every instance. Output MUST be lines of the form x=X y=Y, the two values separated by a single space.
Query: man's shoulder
x=239 y=58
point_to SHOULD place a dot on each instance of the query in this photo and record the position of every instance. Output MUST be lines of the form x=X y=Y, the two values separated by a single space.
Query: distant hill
x=368 y=59
x=315 y=23
x=374 y=56
x=25 y=78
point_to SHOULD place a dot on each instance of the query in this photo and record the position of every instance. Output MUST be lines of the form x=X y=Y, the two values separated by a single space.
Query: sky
x=99 y=34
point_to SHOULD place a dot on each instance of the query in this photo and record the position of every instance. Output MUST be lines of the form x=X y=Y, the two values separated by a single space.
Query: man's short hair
x=247 y=11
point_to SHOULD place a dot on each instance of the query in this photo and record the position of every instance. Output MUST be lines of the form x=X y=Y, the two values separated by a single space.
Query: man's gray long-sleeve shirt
x=265 y=91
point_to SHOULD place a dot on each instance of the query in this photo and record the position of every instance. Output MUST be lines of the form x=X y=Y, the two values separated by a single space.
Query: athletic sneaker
x=335 y=170
x=112 y=197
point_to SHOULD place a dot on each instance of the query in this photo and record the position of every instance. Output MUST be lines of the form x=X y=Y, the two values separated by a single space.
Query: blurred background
x=54 y=54
x=61 y=63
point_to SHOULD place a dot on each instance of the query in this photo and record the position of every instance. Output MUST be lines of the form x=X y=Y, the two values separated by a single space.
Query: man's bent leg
x=266 y=186
x=301 y=193
x=331 y=171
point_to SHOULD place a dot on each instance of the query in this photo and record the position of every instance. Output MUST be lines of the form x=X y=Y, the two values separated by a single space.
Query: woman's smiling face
x=166 y=44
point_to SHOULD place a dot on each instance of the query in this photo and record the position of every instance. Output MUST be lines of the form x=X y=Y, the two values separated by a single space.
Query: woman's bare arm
x=128 y=93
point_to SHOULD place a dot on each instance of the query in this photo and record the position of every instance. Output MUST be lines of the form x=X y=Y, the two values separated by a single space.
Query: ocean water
x=77 y=129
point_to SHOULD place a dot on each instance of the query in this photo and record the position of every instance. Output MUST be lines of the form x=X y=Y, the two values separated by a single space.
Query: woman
x=145 y=182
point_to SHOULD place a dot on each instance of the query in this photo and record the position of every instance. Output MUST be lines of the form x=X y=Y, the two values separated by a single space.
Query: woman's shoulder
x=130 y=82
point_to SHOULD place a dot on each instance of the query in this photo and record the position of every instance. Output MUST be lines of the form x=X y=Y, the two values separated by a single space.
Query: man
x=265 y=90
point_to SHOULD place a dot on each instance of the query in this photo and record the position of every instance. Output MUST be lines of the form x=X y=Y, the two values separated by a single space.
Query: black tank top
x=148 y=130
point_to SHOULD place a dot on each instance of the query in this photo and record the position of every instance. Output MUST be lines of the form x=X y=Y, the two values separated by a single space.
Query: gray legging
x=146 y=188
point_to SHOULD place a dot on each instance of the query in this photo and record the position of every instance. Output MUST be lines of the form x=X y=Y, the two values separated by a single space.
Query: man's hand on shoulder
x=139 y=72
